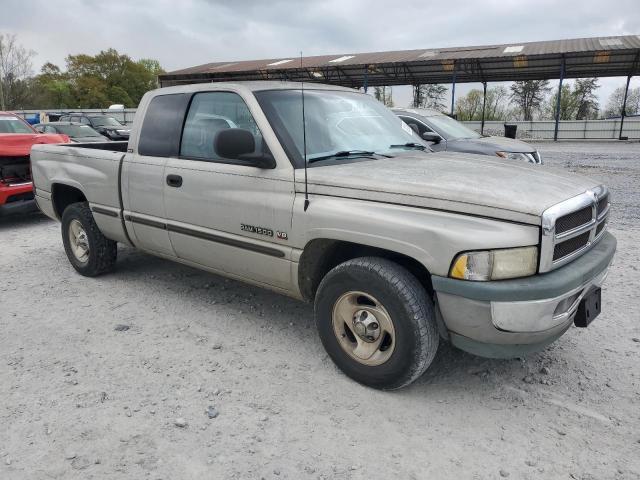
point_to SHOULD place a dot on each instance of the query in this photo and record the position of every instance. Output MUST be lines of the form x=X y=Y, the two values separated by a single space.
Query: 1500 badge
x=258 y=230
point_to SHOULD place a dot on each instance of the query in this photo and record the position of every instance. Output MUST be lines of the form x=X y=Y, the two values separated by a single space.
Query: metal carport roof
x=582 y=57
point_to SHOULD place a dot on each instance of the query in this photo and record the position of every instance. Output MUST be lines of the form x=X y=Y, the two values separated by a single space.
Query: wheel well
x=321 y=255
x=63 y=195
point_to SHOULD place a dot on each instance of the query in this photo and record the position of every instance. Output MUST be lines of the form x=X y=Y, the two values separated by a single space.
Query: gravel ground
x=117 y=377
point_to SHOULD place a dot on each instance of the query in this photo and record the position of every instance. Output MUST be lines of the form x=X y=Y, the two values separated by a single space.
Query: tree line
x=524 y=100
x=87 y=81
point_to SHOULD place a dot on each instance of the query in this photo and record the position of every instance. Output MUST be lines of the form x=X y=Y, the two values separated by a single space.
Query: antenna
x=304 y=142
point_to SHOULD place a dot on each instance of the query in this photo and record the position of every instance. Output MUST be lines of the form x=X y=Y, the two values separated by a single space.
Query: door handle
x=174 y=181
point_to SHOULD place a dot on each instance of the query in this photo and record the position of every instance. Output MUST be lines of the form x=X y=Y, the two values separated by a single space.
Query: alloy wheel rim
x=78 y=241
x=363 y=327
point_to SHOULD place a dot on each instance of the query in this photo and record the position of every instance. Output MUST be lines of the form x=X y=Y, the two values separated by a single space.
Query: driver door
x=222 y=213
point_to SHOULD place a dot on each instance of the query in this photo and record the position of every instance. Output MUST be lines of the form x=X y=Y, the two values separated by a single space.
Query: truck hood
x=19 y=144
x=491 y=145
x=464 y=183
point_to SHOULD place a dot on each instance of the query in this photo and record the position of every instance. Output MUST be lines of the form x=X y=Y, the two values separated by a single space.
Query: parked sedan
x=77 y=132
x=103 y=124
x=445 y=133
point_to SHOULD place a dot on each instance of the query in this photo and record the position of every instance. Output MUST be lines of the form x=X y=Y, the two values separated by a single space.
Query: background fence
x=539 y=129
x=567 y=129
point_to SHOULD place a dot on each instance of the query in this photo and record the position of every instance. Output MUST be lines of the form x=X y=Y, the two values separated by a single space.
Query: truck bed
x=93 y=168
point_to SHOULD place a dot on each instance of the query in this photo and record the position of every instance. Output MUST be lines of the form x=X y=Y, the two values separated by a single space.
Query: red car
x=16 y=139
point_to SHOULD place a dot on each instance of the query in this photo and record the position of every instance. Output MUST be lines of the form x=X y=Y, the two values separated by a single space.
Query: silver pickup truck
x=398 y=247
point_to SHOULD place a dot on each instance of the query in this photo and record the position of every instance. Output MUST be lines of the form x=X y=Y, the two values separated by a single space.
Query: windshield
x=75 y=131
x=450 y=129
x=9 y=124
x=105 y=122
x=337 y=122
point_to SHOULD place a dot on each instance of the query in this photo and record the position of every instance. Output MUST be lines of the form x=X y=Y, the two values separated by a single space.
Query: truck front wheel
x=376 y=322
x=88 y=250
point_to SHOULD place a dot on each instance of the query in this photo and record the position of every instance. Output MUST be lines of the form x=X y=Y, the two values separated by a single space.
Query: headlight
x=522 y=157
x=495 y=264
x=123 y=132
x=538 y=157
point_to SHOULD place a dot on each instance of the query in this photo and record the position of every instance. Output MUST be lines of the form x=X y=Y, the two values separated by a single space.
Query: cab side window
x=209 y=113
x=85 y=121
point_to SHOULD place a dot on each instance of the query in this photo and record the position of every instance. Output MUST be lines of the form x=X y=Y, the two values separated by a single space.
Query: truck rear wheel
x=376 y=322
x=88 y=250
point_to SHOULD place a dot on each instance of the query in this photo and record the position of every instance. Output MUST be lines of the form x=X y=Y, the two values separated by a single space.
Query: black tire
x=407 y=303
x=102 y=251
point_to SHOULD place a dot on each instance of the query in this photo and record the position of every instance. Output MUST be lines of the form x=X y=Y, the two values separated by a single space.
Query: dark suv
x=104 y=124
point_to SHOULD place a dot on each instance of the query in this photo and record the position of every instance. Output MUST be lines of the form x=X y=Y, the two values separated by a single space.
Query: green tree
x=90 y=92
x=429 y=96
x=584 y=92
x=529 y=95
x=51 y=89
x=576 y=103
x=469 y=107
x=15 y=70
x=96 y=81
x=614 y=104
x=384 y=94
x=568 y=106
x=497 y=107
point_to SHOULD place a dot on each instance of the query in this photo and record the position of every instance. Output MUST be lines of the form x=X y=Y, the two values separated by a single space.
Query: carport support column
x=555 y=131
x=416 y=96
x=623 y=113
x=484 y=104
x=453 y=88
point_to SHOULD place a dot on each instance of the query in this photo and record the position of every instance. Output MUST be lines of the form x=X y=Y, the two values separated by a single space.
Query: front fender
x=432 y=237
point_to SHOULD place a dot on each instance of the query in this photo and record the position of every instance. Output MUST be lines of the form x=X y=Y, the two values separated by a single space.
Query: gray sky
x=191 y=32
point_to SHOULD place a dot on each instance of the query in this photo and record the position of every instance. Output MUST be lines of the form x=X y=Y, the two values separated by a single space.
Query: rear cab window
x=162 y=125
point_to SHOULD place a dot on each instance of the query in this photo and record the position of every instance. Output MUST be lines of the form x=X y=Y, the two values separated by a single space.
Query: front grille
x=20 y=197
x=571 y=227
x=573 y=220
x=4 y=159
x=602 y=204
x=569 y=246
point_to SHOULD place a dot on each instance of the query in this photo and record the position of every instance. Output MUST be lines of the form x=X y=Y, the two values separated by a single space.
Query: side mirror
x=431 y=137
x=239 y=144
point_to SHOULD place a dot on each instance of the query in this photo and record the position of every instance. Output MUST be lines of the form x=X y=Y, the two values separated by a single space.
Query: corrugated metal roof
x=584 y=57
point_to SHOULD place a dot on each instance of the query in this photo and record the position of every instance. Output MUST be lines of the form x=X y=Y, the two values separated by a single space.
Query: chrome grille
x=603 y=204
x=569 y=246
x=572 y=227
x=574 y=219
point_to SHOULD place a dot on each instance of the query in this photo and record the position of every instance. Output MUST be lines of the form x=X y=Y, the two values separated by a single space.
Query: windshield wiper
x=419 y=146
x=348 y=153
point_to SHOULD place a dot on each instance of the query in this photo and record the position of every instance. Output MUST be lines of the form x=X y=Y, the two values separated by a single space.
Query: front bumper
x=512 y=317
x=16 y=199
